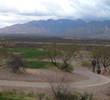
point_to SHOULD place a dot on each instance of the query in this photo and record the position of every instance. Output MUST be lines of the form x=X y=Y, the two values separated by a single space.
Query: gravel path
x=94 y=80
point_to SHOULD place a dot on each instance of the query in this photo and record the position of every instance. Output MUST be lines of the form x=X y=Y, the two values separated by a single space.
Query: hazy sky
x=20 y=11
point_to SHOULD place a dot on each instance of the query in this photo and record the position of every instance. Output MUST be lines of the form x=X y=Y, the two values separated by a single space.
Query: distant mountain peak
x=61 y=28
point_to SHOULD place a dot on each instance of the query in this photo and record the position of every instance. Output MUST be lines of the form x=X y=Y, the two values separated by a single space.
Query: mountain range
x=61 y=28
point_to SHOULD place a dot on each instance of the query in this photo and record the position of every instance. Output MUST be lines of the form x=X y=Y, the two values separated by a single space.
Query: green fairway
x=40 y=65
x=30 y=53
x=34 y=53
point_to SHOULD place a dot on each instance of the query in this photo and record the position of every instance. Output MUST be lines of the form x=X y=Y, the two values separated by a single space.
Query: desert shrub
x=3 y=56
x=108 y=94
x=69 y=68
x=75 y=96
x=85 y=63
x=61 y=91
x=31 y=94
x=15 y=95
x=41 y=96
x=47 y=98
x=86 y=96
x=10 y=95
x=17 y=63
x=10 y=98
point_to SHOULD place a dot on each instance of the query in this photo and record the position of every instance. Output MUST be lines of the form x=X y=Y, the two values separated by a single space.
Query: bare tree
x=61 y=56
x=102 y=56
x=17 y=63
x=105 y=57
x=96 y=54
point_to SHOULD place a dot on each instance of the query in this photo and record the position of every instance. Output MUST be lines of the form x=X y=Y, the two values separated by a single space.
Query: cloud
x=16 y=11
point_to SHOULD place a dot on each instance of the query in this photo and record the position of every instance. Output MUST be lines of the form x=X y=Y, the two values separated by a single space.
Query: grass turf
x=40 y=64
x=30 y=53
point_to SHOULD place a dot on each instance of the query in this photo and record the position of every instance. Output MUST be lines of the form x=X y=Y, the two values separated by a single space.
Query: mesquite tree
x=102 y=56
x=61 y=56
x=96 y=53
x=105 y=57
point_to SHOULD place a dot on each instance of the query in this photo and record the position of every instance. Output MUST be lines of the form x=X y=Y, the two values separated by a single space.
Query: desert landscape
x=37 y=69
x=55 y=50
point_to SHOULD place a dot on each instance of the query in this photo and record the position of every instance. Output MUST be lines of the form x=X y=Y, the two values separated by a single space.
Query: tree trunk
x=98 y=70
x=105 y=69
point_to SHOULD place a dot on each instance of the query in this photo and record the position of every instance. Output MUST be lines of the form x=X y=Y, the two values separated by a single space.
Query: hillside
x=61 y=28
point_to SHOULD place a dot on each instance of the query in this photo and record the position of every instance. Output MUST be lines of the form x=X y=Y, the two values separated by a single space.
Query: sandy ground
x=41 y=75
